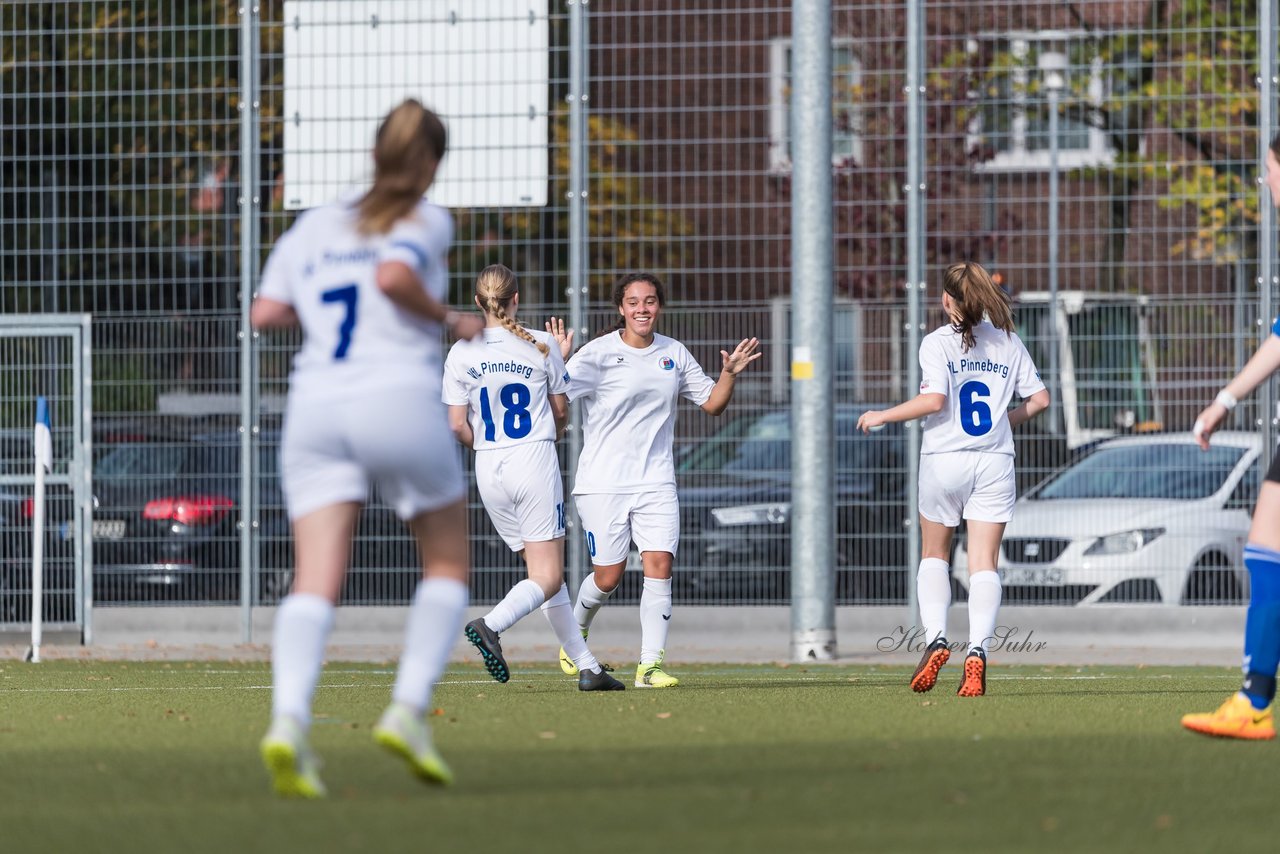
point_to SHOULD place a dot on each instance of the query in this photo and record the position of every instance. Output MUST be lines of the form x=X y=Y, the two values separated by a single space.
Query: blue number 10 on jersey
x=516 y=419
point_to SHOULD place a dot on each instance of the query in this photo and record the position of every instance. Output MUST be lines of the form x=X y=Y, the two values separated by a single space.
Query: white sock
x=559 y=613
x=303 y=623
x=590 y=598
x=933 y=591
x=520 y=601
x=435 y=621
x=984 y=606
x=655 y=618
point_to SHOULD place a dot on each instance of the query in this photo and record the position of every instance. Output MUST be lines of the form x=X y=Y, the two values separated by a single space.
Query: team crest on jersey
x=667 y=363
x=566 y=376
x=473 y=373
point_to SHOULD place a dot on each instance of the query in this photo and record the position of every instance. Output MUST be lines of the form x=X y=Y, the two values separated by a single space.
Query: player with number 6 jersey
x=506 y=396
x=970 y=369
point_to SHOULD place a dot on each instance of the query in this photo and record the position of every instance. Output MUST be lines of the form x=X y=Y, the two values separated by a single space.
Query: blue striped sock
x=1262 y=625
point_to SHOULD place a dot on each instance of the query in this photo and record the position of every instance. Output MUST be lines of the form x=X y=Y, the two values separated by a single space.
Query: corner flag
x=44 y=438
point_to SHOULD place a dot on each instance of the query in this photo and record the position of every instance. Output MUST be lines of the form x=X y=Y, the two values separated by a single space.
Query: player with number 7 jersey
x=506 y=396
x=970 y=368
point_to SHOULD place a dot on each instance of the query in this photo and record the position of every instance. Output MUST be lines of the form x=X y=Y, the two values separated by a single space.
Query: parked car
x=735 y=507
x=1148 y=518
x=166 y=524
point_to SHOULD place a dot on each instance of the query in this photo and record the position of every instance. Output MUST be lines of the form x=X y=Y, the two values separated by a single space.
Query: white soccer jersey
x=354 y=337
x=629 y=398
x=505 y=381
x=978 y=386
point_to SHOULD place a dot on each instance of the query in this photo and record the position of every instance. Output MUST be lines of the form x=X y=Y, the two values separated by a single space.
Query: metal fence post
x=915 y=190
x=1266 y=207
x=813 y=633
x=577 y=292
x=250 y=219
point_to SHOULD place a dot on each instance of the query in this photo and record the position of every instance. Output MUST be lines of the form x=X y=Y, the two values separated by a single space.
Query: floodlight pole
x=813 y=618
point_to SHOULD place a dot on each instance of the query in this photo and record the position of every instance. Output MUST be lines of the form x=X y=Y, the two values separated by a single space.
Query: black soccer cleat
x=486 y=640
x=598 y=680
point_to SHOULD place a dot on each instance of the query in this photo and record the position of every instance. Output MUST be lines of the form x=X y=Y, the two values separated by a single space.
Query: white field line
x=885 y=679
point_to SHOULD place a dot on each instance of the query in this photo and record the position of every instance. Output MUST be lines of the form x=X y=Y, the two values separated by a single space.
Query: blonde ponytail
x=410 y=145
x=495 y=286
x=976 y=297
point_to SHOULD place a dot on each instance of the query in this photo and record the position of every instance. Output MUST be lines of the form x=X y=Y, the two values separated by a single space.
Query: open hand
x=747 y=351
x=563 y=337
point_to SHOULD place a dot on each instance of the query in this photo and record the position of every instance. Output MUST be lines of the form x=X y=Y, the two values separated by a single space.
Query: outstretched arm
x=1263 y=364
x=1029 y=408
x=918 y=407
x=747 y=351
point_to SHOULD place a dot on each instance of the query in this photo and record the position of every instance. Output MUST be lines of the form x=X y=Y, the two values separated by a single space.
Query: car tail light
x=28 y=508
x=189 y=509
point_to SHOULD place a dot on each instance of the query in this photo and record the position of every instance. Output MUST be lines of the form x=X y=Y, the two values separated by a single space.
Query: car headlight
x=752 y=514
x=1125 y=542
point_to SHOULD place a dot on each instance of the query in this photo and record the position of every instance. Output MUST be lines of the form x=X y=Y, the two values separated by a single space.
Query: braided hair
x=495 y=287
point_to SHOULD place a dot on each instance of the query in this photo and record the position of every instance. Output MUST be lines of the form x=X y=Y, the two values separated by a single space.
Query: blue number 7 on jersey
x=347 y=295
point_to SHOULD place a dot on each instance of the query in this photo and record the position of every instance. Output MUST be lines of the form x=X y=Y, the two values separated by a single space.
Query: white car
x=1148 y=519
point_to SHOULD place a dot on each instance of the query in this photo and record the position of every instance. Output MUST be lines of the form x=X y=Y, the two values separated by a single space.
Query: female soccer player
x=969 y=371
x=630 y=380
x=506 y=398
x=1247 y=713
x=366 y=282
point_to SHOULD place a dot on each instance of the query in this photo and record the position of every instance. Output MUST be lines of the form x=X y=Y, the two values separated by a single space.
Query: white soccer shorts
x=522 y=490
x=332 y=450
x=612 y=521
x=970 y=484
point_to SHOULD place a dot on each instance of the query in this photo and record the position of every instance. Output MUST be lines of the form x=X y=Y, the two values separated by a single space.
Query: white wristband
x=1226 y=400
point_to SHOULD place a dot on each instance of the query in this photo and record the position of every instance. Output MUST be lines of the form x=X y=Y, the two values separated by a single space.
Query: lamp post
x=1053 y=66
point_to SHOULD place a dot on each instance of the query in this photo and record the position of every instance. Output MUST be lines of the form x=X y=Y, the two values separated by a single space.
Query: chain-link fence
x=1100 y=157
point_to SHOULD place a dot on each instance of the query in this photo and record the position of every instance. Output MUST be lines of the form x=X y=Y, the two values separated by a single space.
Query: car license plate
x=1033 y=576
x=108 y=529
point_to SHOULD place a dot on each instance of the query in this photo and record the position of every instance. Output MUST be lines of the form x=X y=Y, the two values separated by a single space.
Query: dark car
x=735 y=507
x=166 y=525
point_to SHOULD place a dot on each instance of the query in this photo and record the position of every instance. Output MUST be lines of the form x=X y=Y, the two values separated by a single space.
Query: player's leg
x=986 y=513
x=655 y=524
x=435 y=618
x=322 y=542
x=428 y=491
x=943 y=486
x=933 y=593
x=985 y=593
x=502 y=486
x=607 y=526
x=324 y=489
x=1247 y=713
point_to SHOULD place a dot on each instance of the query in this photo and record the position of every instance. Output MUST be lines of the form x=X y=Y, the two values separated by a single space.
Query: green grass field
x=139 y=757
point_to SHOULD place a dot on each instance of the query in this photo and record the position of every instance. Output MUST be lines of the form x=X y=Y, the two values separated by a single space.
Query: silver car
x=1148 y=519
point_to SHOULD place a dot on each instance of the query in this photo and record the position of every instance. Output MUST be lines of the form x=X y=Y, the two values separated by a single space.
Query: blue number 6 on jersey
x=975 y=415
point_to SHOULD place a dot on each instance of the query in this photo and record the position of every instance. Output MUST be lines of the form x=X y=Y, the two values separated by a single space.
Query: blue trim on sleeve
x=418 y=251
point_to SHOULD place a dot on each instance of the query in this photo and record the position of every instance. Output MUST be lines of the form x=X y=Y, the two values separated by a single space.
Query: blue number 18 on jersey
x=517 y=421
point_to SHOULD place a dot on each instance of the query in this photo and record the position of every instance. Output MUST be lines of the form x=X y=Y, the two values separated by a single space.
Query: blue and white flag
x=43 y=438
